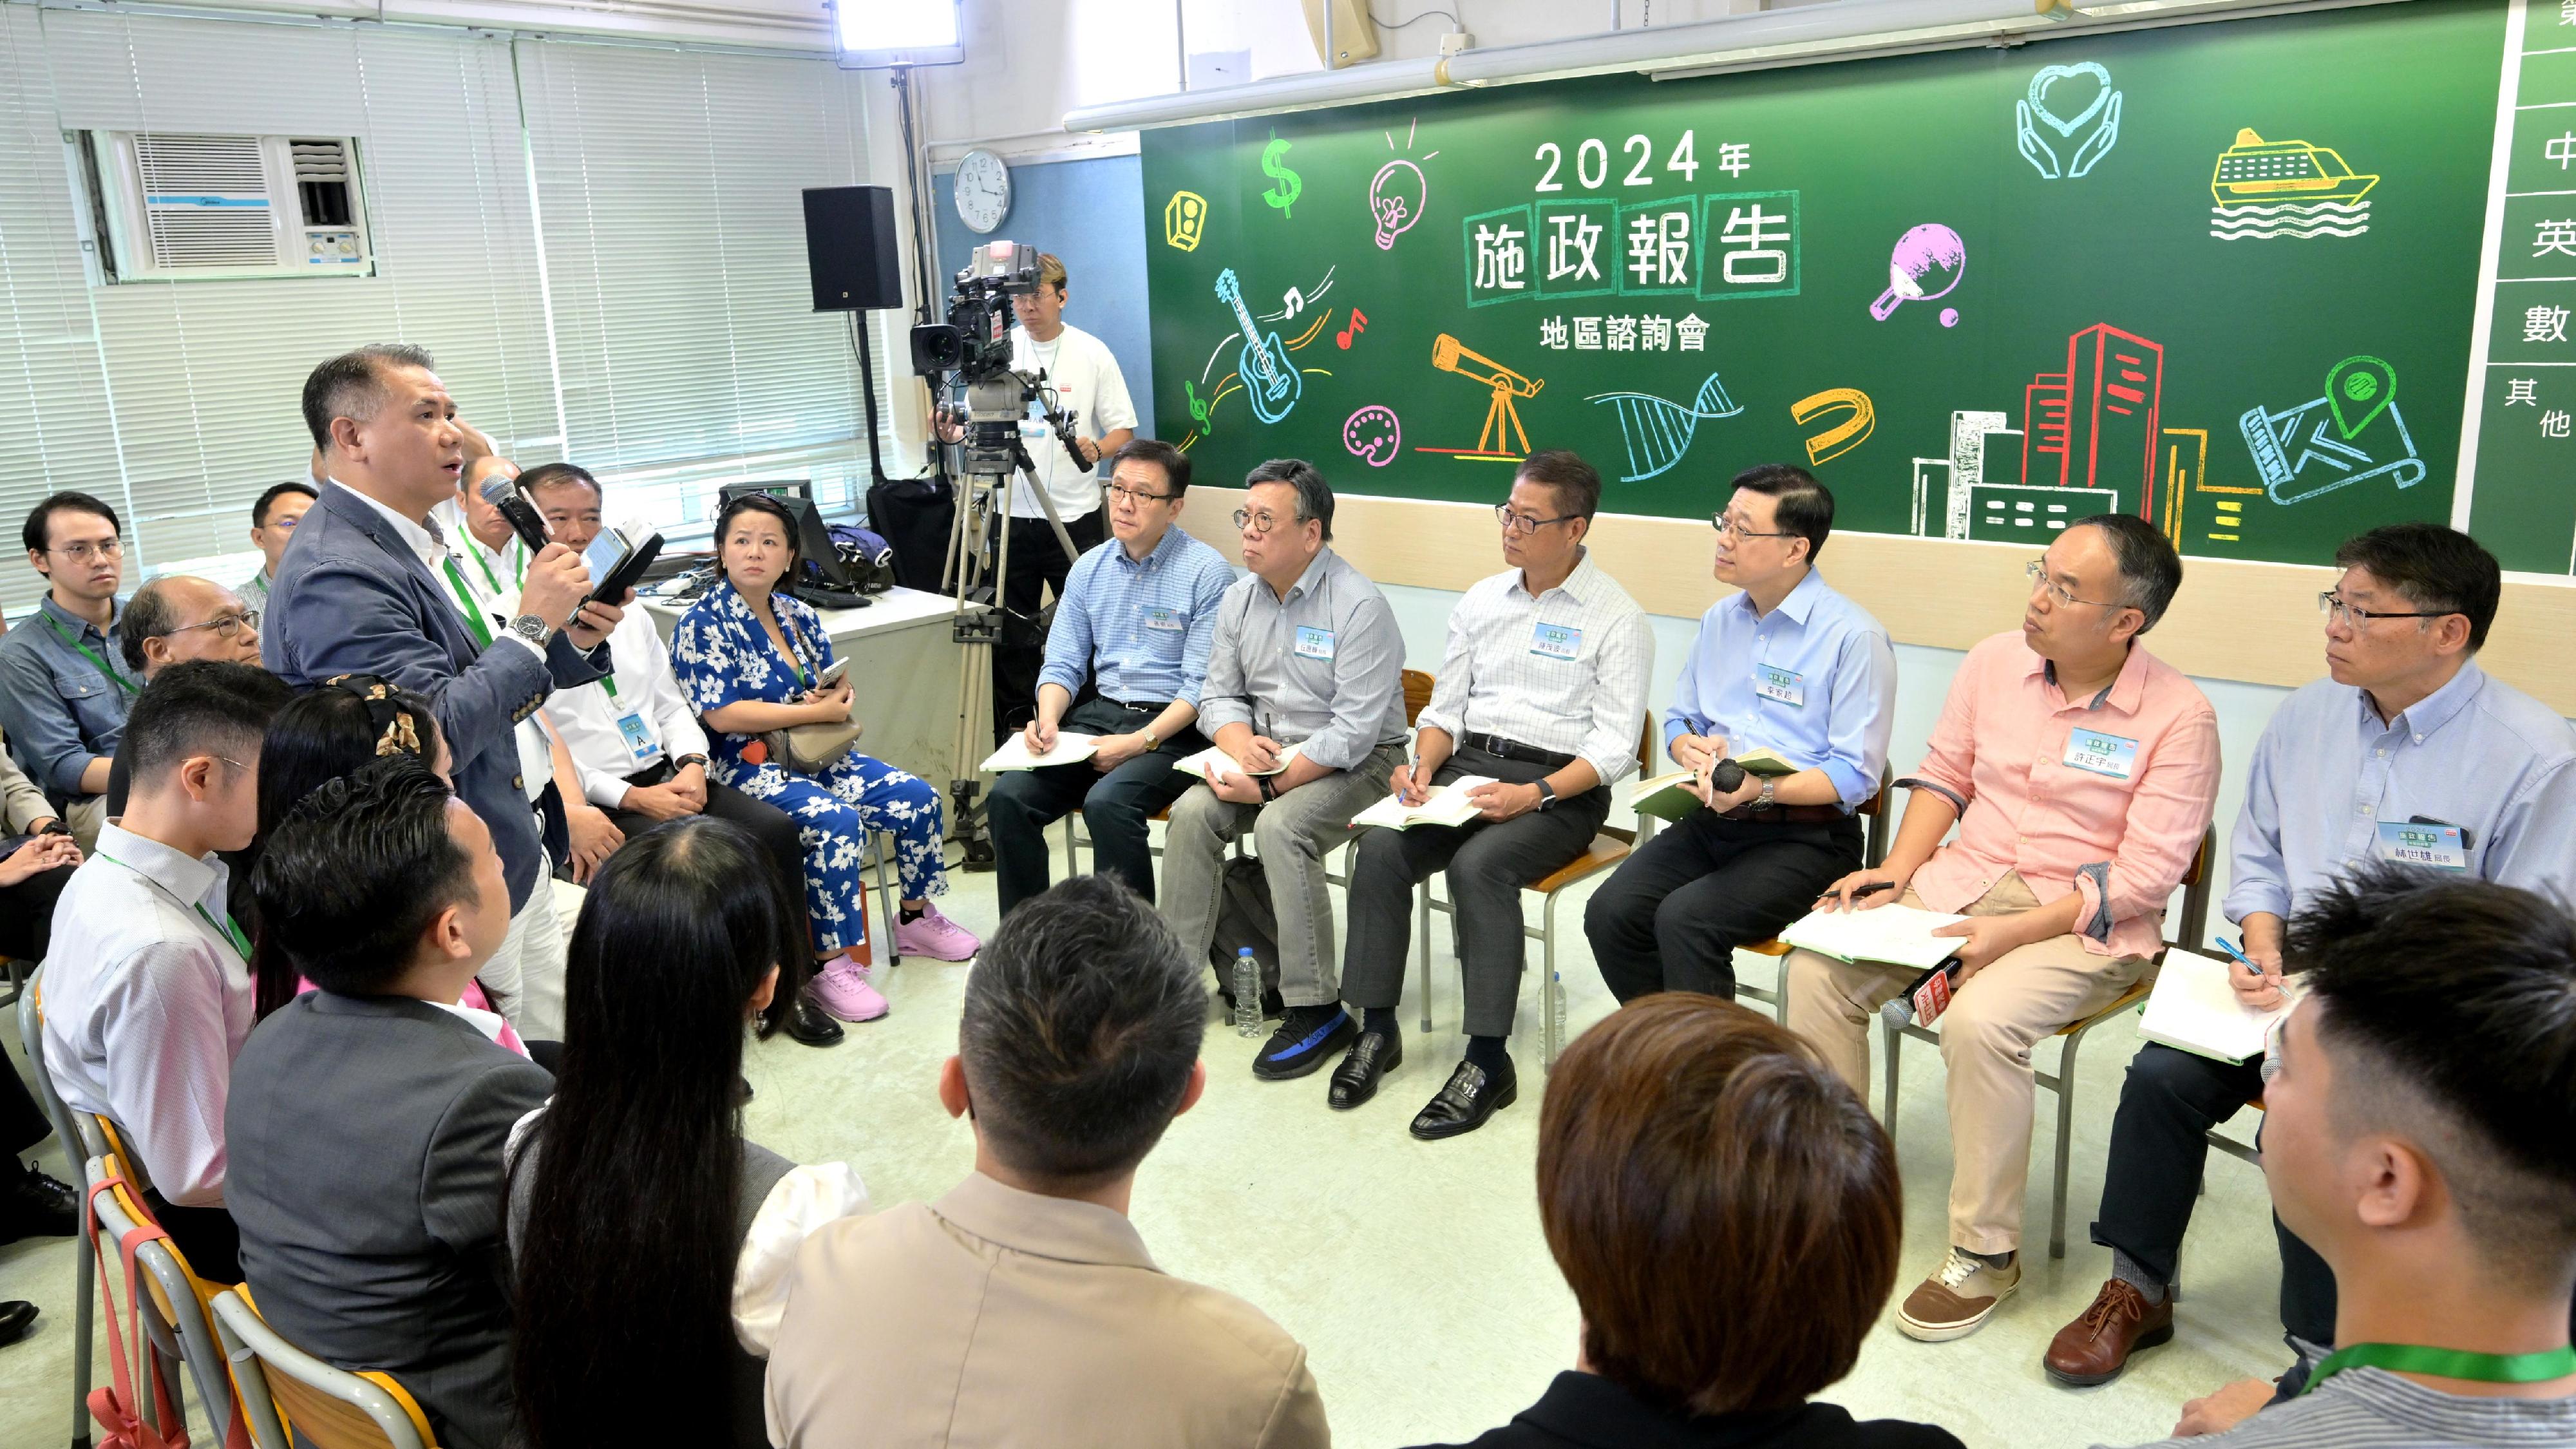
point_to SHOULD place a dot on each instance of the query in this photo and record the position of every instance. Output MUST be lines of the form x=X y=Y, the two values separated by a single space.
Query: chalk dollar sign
x=1286 y=184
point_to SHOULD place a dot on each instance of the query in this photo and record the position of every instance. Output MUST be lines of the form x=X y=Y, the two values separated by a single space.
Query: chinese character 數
x=2544 y=324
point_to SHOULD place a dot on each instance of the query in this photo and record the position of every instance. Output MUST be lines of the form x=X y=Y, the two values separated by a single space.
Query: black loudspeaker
x=851 y=248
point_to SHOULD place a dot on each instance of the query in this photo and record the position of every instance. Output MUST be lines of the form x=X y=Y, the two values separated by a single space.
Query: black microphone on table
x=523 y=519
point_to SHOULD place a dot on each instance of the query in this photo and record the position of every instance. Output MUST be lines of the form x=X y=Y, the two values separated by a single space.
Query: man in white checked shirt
x=1543 y=690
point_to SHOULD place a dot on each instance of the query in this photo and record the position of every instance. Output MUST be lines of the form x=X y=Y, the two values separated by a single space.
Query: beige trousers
x=1986 y=1036
x=85 y=814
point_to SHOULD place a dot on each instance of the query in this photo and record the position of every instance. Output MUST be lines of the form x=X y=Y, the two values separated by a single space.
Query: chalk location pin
x=2358 y=389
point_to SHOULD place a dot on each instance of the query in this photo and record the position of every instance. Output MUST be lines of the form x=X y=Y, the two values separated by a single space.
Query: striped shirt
x=1141 y=629
x=1564 y=672
x=2368 y=1408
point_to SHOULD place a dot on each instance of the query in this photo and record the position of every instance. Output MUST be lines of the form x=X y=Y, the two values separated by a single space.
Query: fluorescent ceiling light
x=873 y=34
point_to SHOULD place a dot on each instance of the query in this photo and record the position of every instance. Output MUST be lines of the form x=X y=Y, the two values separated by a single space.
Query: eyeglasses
x=84 y=552
x=1137 y=495
x=226 y=626
x=1262 y=522
x=1734 y=528
x=2038 y=569
x=1522 y=522
x=2339 y=612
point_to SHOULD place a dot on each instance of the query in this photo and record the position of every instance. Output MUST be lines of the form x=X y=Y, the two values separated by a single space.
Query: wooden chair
x=326 y=1407
x=177 y=1329
x=1609 y=847
x=1873 y=850
x=31 y=1036
x=2195 y=928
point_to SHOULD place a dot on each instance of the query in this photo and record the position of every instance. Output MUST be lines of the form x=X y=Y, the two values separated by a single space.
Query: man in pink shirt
x=2081 y=771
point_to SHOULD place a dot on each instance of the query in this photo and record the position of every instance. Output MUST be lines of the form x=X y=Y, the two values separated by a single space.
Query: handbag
x=810 y=749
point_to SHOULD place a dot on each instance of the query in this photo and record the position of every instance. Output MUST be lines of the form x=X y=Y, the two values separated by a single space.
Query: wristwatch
x=1546 y=795
x=532 y=628
x=1268 y=791
x=685 y=761
x=1151 y=743
x=1764 y=801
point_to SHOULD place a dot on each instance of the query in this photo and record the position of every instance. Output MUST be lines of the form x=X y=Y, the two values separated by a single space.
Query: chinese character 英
x=1659 y=250
x=1500 y=258
x=1694 y=333
x=2544 y=324
x=1735 y=157
x=1656 y=333
x=2553 y=424
x=1587 y=333
x=2523 y=389
x=2567 y=12
x=1551 y=333
x=1622 y=334
x=1750 y=239
x=1570 y=250
x=2553 y=236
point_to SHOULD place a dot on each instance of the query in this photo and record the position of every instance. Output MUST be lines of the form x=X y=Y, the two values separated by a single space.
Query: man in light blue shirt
x=1786 y=664
x=64 y=684
x=1136 y=620
x=2407 y=752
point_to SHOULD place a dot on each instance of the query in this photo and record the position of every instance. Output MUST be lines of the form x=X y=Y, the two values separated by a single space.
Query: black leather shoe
x=810 y=1024
x=35 y=1205
x=1374 y=1055
x=16 y=1318
x=1470 y=1097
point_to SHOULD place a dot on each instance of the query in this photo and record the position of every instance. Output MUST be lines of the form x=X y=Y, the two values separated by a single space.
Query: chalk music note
x=1359 y=324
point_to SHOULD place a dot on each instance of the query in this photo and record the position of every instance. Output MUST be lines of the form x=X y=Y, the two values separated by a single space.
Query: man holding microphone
x=361 y=593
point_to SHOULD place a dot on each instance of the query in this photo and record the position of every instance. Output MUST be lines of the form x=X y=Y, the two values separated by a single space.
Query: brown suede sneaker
x=1957 y=1300
x=2096 y=1346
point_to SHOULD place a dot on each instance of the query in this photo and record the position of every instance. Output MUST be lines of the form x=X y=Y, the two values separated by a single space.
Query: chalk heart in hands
x=2084 y=81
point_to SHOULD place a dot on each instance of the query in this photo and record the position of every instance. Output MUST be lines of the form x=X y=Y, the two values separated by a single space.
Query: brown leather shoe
x=2096 y=1346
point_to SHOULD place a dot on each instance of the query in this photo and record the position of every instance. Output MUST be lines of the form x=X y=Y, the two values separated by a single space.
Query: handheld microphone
x=523 y=520
x=1726 y=778
x=1925 y=1000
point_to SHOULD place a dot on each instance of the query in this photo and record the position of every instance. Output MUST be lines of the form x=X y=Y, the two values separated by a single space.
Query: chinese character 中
x=1694 y=333
x=2553 y=236
x=1551 y=333
x=2562 y=150
x=1749 y=239
x=1735 y=157
x=1500 y=258
x=2544 y=324
x=1570 y=250
x=1622 y=334
x=1659 y=250
x=1587 y=333
x=2553 y=424
x=1656 y=333
x=2523 y=390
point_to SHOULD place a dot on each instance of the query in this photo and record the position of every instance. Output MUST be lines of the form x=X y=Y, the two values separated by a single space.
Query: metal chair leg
x=1422 y=956
x=885 y=898
x=1895 y=1041
x=2065 y=1144
x=84 y=1327
x=1551 y=995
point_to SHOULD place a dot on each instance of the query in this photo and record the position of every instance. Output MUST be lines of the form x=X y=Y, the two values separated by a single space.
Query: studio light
x=874 y=34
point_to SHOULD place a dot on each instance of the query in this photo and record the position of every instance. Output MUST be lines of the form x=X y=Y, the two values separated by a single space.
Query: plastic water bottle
x=1247 y=994
x=1556 y=1006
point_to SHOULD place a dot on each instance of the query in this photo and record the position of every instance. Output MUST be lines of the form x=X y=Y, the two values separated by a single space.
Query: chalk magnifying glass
x=1927 y=264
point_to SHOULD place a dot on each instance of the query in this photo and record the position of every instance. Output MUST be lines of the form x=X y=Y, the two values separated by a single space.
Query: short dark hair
x=1800 y=505
x=1577 y=483
x=1724 y=1207
x=549 y=475
x=357 y=871
x=2150 y=570
x=200 y=707
x=742 y=503
x=1314 y=495
x=352 y=385
x=1082 y=1019
x=275 y=491
x=1174 y=463
x=2433 y=568
x=41 y=517
x=2449 y=1006
x=148 y=615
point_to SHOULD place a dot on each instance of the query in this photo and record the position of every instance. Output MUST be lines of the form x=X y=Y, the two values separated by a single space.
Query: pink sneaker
x=841 y=987
x=935 y=936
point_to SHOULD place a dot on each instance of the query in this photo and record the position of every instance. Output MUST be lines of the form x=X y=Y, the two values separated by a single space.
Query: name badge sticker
x=1556 y=641
x=639 y=740
x=1168 y=620
x=1782 y=686
x=2101 y=754
x=1314 y=643
x=2438 y=846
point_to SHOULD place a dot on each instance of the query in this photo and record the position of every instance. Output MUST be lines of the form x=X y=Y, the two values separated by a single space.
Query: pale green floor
x=1415 y=1272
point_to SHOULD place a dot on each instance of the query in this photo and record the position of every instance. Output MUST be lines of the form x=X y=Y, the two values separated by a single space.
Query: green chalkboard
x=2220 y=275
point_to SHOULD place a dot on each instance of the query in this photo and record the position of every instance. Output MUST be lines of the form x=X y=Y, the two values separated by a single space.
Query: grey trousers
x=1292 y=834
x=1488 y=864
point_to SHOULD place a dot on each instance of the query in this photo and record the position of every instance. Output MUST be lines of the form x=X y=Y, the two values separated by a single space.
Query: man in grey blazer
x=359 y=591
x=367 y=1117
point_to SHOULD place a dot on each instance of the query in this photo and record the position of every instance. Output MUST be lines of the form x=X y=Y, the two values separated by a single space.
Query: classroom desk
x=904 y=667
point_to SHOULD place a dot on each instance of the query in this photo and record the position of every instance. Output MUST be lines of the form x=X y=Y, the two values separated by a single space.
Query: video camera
x=970 y=354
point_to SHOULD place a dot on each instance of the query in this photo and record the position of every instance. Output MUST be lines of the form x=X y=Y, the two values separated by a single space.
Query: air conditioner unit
x=190 y=207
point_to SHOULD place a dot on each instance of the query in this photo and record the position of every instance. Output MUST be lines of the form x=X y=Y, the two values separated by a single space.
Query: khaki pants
x=1986 y=1036
x=85 y=814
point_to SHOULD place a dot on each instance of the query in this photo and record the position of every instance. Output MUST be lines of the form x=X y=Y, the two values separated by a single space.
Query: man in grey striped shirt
x=2421 y=1136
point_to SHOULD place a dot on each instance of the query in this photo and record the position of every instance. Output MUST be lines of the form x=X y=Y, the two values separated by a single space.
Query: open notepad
x=1899 y=935
x=1015 y=754
x=2193 y=1009
x=1212 y=762
x=1447 y=805
x=1668 y=796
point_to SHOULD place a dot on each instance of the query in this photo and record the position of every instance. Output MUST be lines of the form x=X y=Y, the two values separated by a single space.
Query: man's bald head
x=181 y=616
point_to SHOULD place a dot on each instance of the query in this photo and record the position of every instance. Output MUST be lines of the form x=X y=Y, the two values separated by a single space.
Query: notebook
x=1899 y=935
x=1070 y=748
x=2193 y=1009
x=1224 y=764
x=1448 y=805
x=1668 y=797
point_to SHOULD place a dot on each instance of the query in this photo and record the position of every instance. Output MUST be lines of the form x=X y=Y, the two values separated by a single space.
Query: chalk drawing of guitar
x=1271 y=382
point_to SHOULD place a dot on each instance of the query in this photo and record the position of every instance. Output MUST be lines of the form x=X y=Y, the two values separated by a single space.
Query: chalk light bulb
x=1395 y=199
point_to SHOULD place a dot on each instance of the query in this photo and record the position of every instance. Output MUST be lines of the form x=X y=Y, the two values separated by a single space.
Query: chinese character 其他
x=2523 y=390
x=2553 y=424
x=2544 y=324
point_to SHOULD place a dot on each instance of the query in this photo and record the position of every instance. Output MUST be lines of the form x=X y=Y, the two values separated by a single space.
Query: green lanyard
x=2449 y=1363
x=488 y=579
x=610 y=680
x=465 y=601
x=229 y=928
x=89 y=654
